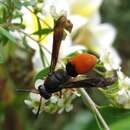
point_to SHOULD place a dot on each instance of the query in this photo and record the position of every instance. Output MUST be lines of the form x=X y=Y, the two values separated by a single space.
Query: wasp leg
x=38 y=111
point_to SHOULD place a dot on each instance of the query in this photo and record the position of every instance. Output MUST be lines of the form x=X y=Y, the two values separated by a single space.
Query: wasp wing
x=91 y=82
x=59 y=26
x=57 y=38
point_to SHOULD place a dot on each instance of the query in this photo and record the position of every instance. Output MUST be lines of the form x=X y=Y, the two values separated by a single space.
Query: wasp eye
x=43 y=92
x=39 y=83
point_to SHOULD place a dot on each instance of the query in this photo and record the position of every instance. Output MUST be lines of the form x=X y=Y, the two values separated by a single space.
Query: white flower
x=35 y=97
x=60 y=102
x=69 y=107
x=78 y=21
x=96 y=18
x=56 y=15
x=31 y=102
x=122 y=97
x=120 y=74
x=54 y=99
x=103 y=34
x=86 y=8
x=84 y=12
x=127 y=81
x=28 y=103
x=34 y=111
x=55 y=7
x=110 y=61
x=123 y=80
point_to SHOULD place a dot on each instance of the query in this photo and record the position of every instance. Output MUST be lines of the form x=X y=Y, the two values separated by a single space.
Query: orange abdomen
x=83 y=63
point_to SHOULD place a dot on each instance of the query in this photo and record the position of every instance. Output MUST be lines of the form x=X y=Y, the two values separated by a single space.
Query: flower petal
x=103 y=34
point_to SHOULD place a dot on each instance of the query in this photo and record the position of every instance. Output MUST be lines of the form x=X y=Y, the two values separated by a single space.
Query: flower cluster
x=123 y=96
x=57 y=102
x=119 y=93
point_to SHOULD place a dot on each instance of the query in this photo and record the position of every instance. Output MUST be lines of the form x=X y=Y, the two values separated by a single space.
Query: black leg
x=37 y=114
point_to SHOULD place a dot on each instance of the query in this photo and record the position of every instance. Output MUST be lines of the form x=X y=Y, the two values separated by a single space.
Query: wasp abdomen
x=55 y=79
x=81 y=64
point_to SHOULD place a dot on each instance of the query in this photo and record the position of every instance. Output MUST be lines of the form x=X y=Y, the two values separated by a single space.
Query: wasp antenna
x=26 y=90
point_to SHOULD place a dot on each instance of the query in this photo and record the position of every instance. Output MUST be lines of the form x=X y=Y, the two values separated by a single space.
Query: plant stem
x=34 y=40
x=92 y=105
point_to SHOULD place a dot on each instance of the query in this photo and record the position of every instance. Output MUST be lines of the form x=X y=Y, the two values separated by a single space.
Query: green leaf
x=41 y=74
x=7 y=35
x=80 y=121
x=20 y=4
x=114 y=111
x=25 y=43
x=123 y=124
x=42 y=55
x=43 y=31
x=2 y=59
x=39 y=25
x=116 y=118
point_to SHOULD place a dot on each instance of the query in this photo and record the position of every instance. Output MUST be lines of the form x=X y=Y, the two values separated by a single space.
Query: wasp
x=78 y=65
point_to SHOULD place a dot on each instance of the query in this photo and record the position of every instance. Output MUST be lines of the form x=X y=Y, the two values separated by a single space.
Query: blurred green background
x=14 y=114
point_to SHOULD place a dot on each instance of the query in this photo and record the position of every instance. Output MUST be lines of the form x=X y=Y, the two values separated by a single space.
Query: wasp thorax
x=55 y=80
